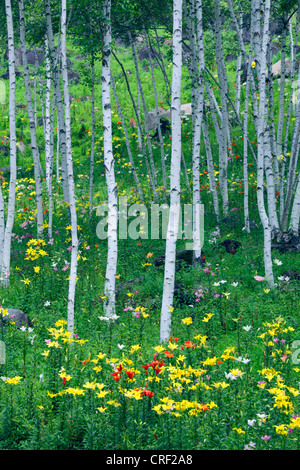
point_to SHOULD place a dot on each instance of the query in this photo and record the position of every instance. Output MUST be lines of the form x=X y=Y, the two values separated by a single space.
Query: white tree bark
x=262 y=123
x=70 y=179
x=2 y=227
x=112 y=246
x=197 y=132
x=48 y=137
x=281 y=94
x=245 y=155
x=55 y=61
x=238 y=69
x=93 y=134
x=295 y=215
x=5 y=266
x=224 y=125
x=268 y=164
x=292 y=164
x=31 y=117
x=170 y=257
x=211 y=170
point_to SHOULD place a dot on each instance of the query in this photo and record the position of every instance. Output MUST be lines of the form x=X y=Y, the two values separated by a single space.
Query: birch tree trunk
x=245 y=155
x=2 y=229
x=160 y=137
x=282 y=87
x=197 y=134
x=48 y=132
x=31 y=117
x=247 y=58
x=224 y=126
x=112 y=247
x=295 y=215
x=170 y=256
x=5 y=266
x=55 y=61
x=70 y=177
x=290 y=108
x=93 y=135
x=210 y=167
x=292 y=164
x=163 y=68
x=262 y=123
x=136 y=178
x=238 y=69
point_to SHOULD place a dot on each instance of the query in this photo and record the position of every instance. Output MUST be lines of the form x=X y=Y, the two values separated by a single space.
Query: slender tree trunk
x=34 y=146
x=36 y=65
x=136 y=178
x=55 y=61
x=262 y=122
x=160 y=137
x=70 y=177
x=245 y=155
x=256 y=32
x=139 y=126
x=112 y=252
x=5 y=266
x=246 y=59
x=290 y=109
x=197 y=133
x=170 y=257
x=163 y=69
x=282 y=87
x=49 y=140
x=224 y=126
x=268 y=166
x=148 y=138
x=238 y=69
x=210 y=167
x=292 y=164
x=2 y=229
x=295 y=215
x=93 y=134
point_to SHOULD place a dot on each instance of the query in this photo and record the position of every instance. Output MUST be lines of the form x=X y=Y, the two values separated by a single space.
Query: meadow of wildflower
x=226 y=379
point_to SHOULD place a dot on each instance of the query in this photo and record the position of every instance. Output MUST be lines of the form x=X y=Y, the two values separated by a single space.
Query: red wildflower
x=130 y=374
x=116 y=376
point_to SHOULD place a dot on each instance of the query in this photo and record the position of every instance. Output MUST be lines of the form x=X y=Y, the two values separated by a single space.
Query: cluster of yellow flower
x=60 y=333
x=35 y=250
x=193 y=408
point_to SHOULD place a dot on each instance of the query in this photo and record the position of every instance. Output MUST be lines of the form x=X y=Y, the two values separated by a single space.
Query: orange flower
x=168 y=354
x=173 y=339
x=86 y=360
x=189 y=344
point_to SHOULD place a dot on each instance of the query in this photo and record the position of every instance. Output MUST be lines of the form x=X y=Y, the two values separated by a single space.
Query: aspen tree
x=5 y=262
x=70 y=177
x=262 y=124
x=172 y=232
x=32 y=126
x=112 y=245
